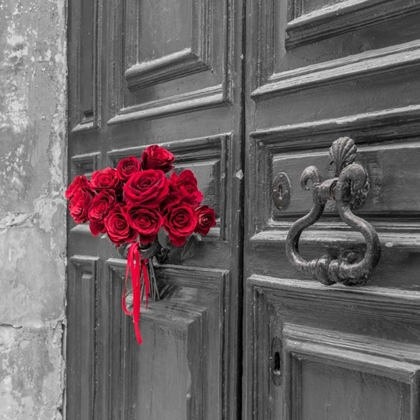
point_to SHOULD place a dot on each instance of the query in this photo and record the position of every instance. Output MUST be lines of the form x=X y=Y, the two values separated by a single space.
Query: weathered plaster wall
x=32 y=209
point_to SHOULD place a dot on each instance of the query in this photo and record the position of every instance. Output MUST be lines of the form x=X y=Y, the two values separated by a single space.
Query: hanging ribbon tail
x=133 y=267
x=127 y=273
x=146 y=279
x=136 y=294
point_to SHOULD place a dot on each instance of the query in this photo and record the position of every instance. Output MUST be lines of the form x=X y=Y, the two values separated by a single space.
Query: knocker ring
x=349 y=189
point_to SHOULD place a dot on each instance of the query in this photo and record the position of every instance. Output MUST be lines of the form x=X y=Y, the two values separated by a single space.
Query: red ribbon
x=137 y=266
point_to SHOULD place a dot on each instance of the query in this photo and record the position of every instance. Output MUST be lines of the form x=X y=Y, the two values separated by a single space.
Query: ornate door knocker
x=349 y=190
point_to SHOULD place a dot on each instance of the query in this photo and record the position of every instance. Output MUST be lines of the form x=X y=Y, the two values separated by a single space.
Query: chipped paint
x=33 y=119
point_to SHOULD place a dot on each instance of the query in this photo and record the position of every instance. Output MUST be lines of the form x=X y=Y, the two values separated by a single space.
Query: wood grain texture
x=85 y=23
x=197 y=115
x=170 y=67
x=178 y=104
x=118 y=329
x=375 y=126
x=83 y=315
x=351 y=368
x=288 y=44
x=195 y=58
x=292 y=148
x=179 y=329
x=186 y=329
x=316 y=71
x=202 y=63
x=86 y=163
x=389 y=59
x=341 y=17
x=393 y=189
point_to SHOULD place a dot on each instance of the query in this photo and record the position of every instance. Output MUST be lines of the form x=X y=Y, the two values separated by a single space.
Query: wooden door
x=162 y=72
x=318 y=70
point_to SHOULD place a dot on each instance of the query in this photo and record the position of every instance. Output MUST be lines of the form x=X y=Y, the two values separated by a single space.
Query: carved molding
x=284 y=308
x=289 y=143
x=342 y=17
x=262 y=32
x=345 y=16
x=177 y=104
x=358 y=353
x=384 y=60
x=335 y=235
x=83 y=318
x=396 y=304
x=197 y=58
x=191 y=60
x=87 y=163
x=169 y=67
x=119 y=346
x=87 y=119
x=187 y=323
x=377 y=126
x=190 y=320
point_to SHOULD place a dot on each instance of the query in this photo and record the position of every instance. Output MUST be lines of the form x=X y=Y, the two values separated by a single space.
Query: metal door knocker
x=349 y=190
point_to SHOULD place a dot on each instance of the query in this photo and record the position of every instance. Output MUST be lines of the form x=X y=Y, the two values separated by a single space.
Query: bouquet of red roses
x=138 y=205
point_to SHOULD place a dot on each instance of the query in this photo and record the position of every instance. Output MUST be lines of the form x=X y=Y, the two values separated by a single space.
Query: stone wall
x=32 y=209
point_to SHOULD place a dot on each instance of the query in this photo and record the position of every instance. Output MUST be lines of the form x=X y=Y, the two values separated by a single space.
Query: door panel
x=165 y=73
x=182 y=350
x=343 y=353
x=176 y=57
x=317 y=71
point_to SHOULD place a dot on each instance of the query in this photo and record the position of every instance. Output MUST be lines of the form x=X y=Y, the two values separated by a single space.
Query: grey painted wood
x=165 y=73
x=313 y=71
x=317 y=71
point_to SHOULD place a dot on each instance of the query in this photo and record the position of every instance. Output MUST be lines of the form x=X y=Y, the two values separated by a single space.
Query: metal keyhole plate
x=281 y=191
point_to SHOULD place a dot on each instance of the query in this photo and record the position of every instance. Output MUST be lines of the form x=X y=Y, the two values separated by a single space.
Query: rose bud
x=80 y=181
x=206 y=219
x=105 y=179
x=147 y=188
x=156 y=157
x=99 y=208
x=180 y=221
x=126 y=167
x=79 y=204
x=117 y=227
x=145 y=221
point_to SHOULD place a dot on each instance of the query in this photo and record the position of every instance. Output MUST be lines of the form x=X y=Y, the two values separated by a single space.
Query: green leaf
x=198 y=236
x=163 y=239
x=189 y=248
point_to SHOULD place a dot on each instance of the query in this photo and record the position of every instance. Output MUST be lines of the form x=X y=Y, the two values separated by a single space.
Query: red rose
x=117 y=227
x=185 y=186
x=145 y=221
x=80 y=181
x=206 y=218
x=100 y=206
x=180 y=221
x=126 y=167
x=105 y=179
x=79 y=204
x=156 y=157
x=148 y=188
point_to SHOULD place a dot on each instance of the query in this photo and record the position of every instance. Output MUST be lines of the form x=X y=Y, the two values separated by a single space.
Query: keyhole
x=279 y=191
x=276 y=364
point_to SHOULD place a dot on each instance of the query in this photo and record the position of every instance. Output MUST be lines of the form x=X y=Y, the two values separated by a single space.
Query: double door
x=239 y=92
